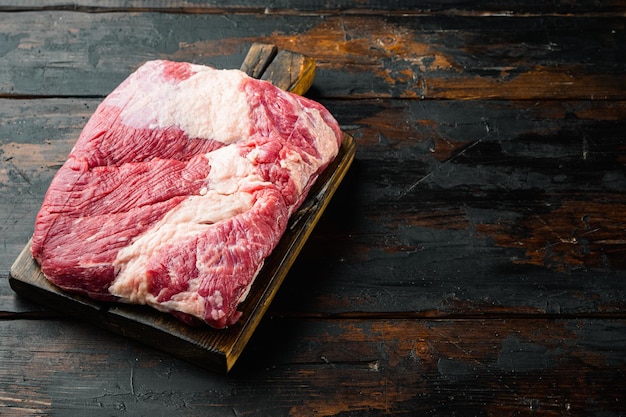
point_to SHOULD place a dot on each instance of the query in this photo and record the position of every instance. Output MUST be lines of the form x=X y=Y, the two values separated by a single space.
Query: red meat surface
x=179 y=186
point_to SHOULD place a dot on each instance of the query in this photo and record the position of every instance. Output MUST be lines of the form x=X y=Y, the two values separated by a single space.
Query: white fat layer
x=201 y=106
x=227 y=194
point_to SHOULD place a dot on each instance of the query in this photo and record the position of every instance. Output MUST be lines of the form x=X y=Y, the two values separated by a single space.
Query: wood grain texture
x=258 y=58
x=430 y=57
x=495 y=7
x=307 y=368
x=291 y=72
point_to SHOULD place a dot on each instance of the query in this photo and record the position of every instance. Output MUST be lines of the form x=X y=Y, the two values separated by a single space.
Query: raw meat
x=178 y=188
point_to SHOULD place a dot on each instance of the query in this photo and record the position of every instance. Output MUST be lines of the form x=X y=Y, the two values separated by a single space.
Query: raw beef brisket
x=178 y=188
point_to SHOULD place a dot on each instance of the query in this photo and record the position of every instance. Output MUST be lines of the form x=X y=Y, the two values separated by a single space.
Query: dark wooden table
x=472 y=263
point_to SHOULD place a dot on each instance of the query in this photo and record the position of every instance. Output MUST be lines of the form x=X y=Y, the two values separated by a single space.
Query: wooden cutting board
x=209 y=348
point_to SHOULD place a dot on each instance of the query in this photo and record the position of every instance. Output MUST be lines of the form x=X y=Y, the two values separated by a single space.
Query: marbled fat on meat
x=178 y=188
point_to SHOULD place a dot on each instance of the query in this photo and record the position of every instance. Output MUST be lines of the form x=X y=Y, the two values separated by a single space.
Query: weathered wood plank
x=443 y=57
x=456 y=207
x=320 y=367
x=451 y=206
x=460 y=7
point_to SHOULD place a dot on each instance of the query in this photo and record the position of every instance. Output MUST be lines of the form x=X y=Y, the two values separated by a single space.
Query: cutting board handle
x=287 y=70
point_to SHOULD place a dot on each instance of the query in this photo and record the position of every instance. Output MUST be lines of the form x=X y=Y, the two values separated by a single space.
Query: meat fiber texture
x=179 y=186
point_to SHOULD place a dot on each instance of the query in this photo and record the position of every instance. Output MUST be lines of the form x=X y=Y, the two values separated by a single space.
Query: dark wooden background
x=473 y=262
